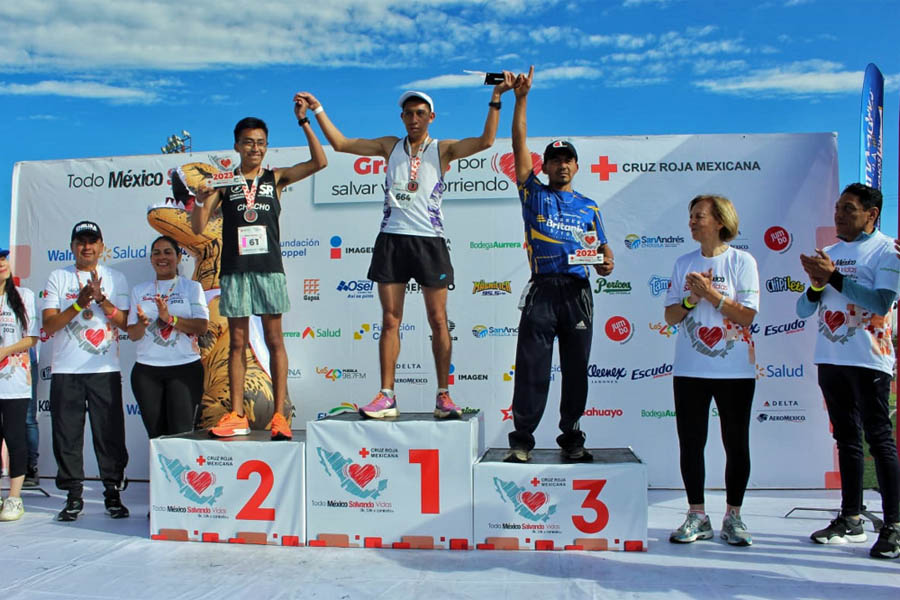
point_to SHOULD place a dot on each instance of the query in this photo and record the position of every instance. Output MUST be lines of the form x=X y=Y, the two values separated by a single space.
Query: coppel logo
x=619 y=329
x=778 y=239
x=632 y=241
x=335 y=242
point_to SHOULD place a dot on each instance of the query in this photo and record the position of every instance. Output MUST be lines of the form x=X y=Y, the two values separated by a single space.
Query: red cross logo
x=603 y=167
x=535 y=481
x=364 y=453
x=200 y=460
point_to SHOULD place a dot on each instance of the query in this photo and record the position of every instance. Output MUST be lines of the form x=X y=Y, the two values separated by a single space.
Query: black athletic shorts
x=398 y=258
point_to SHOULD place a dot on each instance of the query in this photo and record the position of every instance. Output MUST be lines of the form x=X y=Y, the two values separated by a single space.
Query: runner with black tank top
x=252 y=275
x=411 y=241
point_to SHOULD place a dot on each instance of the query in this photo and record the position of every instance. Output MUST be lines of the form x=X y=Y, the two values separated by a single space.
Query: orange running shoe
x=280 y=428
x=231 y=424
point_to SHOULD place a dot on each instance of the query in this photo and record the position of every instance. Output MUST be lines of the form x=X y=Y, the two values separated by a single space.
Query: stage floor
x=97 y=557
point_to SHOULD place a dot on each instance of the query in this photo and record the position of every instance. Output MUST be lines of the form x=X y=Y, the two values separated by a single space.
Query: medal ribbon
x=415 y=161
x=250 y=193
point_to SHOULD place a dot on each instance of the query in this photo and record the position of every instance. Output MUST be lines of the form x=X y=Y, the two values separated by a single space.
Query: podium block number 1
x=429 y=469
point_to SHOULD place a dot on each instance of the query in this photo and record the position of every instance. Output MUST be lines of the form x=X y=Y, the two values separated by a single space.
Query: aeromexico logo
x=194 y=485
x=534 y=506
x=361 y=480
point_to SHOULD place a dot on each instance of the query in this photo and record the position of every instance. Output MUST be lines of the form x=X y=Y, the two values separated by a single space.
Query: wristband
x=721 y=303
x=318 y=110
x=77 y=308
x=172 y=320
x=687 y=305
x=816 y=289
x=303 y=121
x=197 y=202
x=496 y=105
x=113 y=313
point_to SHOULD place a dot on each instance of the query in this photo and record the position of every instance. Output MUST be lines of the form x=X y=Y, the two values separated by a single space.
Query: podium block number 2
x=591 y=502
x=429 y=467
x=253 y=511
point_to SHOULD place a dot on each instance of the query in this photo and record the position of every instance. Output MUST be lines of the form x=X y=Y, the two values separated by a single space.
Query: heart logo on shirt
x=95 y=336
x=507 y=164
x=361 y=474
x=533 y=500
x=834 y=319
x=199 y=480
x=166 y=332
x=710 y=335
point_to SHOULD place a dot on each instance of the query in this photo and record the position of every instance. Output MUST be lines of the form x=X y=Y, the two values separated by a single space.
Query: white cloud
x=39 y=118
x=444 y=81
x=796 y=79
x=78 y=89
x=634 y=3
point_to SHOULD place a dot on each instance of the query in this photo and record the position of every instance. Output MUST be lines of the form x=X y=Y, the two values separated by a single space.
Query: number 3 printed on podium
x=594 y=487
x=252 y=511
x=429 y=463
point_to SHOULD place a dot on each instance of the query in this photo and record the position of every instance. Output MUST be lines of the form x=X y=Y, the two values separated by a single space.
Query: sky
x=87 y=78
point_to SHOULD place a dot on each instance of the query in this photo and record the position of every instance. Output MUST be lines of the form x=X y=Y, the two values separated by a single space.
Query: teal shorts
x=245 y=294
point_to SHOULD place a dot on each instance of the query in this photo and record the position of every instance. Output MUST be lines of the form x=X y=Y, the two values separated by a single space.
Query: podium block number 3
x=253 y=511
x=429 y=468
x=591 y=502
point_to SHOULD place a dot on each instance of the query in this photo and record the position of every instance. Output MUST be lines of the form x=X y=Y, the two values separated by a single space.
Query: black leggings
x=734 y=398
x=168 y=396
x=12 y=429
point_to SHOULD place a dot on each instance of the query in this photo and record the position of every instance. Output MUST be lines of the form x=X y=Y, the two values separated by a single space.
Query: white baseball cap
x=413 y=94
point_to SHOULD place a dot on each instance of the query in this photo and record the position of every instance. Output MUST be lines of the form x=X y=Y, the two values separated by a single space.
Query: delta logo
x=191 y=484
x=778 y=239
x=491 y=288
x=361 y=480
x=619 y=329
x=343 y=407
x=635 y=242
x=533 y=506
x=782 y=371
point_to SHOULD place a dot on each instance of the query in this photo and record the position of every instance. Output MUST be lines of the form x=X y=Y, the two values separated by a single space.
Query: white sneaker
x=12 y=510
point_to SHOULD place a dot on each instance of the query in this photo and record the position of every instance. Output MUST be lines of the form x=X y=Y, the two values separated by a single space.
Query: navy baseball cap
x=559 y=147
x=4 y=251
x=86 y=229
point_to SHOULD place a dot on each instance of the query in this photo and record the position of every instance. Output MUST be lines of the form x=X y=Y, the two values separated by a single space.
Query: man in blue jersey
x=565 y=237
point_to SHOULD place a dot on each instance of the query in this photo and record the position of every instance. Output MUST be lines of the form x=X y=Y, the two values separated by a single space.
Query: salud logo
x=361 y=480
x=534 y=506
x=191 y=484
x=619 y=329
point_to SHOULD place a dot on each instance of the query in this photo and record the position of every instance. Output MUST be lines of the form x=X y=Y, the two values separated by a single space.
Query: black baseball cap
x=86 y=229
x=559 y=147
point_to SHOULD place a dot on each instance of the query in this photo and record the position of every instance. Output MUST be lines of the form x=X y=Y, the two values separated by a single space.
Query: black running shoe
x=572 y=447
x=71 y=510
x=888 y=544
x=517 y=455
x=115 y=508
x=840 y=531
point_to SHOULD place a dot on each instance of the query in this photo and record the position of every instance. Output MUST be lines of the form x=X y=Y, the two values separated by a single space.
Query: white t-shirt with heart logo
x=15 y=369
x=162 y=345
x=849 y=334
x=85 y=345
x=708 y=344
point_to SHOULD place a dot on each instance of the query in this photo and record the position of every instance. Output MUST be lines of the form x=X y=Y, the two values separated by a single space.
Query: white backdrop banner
x=783 y=186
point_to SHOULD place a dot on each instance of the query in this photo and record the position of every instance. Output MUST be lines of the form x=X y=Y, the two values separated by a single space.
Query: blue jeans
x=32 y=434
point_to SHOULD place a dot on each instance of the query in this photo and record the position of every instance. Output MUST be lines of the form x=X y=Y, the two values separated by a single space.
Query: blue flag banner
x=871 y=127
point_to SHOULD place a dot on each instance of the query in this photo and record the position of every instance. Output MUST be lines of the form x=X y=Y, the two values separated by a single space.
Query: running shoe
x=380 y=407
x=231 y=424
x=735 y=532
x=840 y=531
x=280 y=428
x=517 y=455
x=694 y=528
x=572 y=447
x=71 y=510
x=887 y=546
x=115 y=508
x=32 y=479
x=444 y=407
x=13 y=509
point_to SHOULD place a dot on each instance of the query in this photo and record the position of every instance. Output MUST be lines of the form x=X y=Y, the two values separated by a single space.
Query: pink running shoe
x=444 y=407
x=380 y=407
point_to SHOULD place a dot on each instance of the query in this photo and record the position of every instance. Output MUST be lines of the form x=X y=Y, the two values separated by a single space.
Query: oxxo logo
x=777 y=239
x=619 y=329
